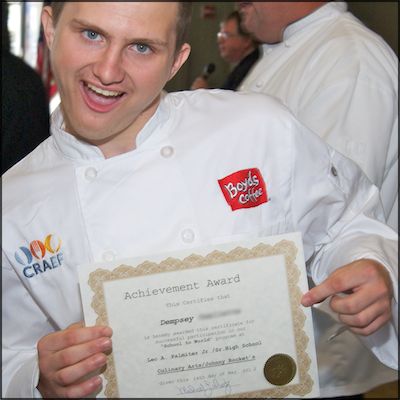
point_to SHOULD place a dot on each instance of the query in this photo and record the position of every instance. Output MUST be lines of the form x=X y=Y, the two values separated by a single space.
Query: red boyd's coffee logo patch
x=244 y=189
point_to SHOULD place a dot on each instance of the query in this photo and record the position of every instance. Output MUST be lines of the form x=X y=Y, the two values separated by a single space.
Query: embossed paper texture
x=221 y=321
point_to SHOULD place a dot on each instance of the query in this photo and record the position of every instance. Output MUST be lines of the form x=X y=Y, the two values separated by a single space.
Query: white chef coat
x=341 y=80
x=68 y=205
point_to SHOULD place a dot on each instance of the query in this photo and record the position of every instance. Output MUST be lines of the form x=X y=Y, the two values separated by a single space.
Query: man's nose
x=109 y=67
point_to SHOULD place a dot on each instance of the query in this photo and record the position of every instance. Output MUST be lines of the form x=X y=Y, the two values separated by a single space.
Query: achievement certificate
x=224 y=321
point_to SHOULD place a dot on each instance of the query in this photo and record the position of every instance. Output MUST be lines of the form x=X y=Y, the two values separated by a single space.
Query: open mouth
x=103 y=92
x=101 y=100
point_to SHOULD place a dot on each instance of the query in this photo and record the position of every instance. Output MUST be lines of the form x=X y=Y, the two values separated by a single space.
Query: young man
x=128 y=171
x=236 y=47
x=339 y=79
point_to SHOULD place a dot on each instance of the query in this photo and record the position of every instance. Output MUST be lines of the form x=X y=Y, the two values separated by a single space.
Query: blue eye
x=92 y=35
x=142 y=48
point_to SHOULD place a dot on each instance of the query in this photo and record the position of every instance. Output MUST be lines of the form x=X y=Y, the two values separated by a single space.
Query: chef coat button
x=90 y=174
x=269 y=50
x=259 y=84
x=187 y=236
x=334 y=171
x=167 y=151
x=108 y=256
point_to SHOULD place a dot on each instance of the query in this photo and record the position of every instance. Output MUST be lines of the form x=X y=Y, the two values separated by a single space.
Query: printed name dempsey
x=176 y=321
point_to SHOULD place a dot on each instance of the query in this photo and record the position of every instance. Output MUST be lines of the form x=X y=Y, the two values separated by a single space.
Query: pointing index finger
x=329 y=287
x=317 y=294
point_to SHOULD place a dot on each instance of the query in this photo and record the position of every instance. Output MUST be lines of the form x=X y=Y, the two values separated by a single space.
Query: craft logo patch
x=244 y=189
x=40 y=256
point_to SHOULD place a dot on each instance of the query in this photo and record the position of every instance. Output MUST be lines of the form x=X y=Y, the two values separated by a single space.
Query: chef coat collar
x=77 y=149
x=289 y=35
x=333 y=7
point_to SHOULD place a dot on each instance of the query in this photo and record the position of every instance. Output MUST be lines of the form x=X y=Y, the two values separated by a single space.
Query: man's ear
x=48 y=25
x=180 y=59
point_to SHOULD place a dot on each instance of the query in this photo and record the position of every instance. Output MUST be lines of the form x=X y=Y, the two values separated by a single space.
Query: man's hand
x=199 y=83
x=366 y=305
x=67 y=357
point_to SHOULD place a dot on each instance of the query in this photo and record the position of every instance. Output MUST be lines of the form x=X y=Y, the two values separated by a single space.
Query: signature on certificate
x=206 y=387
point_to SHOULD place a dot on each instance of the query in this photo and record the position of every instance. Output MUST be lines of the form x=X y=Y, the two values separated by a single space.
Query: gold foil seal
x=280 y=369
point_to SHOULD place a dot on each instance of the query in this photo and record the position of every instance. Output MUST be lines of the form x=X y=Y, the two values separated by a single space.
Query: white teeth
x=103 y=92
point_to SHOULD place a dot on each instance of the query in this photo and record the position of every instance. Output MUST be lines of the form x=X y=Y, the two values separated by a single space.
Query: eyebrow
x=87 y=25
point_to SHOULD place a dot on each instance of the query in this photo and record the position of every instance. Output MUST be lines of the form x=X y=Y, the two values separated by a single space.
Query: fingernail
x=306 y=301
x=107 y=331
x=97 y=382
x=100 y=360
x=105 y=343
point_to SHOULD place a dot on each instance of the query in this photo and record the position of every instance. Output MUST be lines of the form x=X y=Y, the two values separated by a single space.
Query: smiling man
x=129 y=171
x=110 y=71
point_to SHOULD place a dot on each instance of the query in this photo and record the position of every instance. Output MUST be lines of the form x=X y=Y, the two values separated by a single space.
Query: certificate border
x=284 y=247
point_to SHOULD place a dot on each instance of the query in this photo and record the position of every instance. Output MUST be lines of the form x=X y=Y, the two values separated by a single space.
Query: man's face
x=266 y=20
x=232 y=46
x=111 y=61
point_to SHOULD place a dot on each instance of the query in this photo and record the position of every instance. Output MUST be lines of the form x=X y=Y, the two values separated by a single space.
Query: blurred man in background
x=236 y=47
